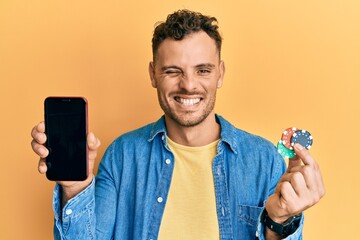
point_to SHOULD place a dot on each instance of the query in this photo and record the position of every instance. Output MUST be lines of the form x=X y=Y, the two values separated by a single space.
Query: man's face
x=186 y=75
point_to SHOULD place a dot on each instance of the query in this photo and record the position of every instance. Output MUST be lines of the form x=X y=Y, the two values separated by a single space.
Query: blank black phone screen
x=66 y=131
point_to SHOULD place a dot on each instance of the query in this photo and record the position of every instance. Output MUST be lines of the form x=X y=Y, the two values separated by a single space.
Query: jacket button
x=160 y=199
x=167 y=161
x=68 y=211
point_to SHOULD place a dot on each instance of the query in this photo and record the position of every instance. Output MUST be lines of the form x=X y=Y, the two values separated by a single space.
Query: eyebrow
x=209 y=65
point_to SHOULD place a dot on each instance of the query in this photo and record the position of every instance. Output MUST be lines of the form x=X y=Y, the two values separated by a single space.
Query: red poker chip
x=286 y=137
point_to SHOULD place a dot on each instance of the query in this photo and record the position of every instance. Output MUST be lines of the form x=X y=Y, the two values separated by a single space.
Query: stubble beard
x=186 y=119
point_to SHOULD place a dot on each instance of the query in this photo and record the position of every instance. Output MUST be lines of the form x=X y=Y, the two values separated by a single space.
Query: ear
x=152 y=74
x=222 y=73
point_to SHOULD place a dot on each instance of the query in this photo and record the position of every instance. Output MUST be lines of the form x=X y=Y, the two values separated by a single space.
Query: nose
x=188 y=82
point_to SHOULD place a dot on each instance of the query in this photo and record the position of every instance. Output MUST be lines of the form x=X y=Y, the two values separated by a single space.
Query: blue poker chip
x=302 y=137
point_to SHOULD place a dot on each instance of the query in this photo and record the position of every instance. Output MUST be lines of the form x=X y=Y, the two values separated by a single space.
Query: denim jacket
x=128 y=196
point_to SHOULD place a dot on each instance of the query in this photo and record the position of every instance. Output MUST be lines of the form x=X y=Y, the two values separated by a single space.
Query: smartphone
x=66 y=128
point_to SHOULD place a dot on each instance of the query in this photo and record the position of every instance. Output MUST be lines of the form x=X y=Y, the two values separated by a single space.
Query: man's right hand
x=70 y=188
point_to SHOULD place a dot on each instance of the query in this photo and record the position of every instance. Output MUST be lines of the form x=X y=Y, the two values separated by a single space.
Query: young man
x=191 y=174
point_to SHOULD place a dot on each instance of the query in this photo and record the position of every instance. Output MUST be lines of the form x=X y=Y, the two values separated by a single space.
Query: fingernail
x=298 y=147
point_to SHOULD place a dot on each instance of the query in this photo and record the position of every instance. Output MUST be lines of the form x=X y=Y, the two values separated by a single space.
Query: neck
x=202 y=134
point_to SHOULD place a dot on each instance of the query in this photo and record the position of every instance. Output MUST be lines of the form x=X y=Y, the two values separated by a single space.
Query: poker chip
x=302 y=137
x=290 y=137
x=286 y=137
x=284 y=151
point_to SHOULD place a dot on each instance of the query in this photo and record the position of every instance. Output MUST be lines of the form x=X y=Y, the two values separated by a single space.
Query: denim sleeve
x=76 y=220
x=279 y=170
x=79 y=218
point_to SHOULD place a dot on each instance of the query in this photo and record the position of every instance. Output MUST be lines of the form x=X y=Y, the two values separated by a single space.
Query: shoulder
x=128 y=145
x=242 y=140
x=253 y=150
x=143 y=135
x=135 y=136
x=253 y=139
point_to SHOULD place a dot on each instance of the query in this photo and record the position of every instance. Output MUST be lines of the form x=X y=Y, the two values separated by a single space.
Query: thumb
x=92 y=141
x=295 y=161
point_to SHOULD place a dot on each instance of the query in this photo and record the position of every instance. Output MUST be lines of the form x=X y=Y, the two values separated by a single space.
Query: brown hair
x=182 y=23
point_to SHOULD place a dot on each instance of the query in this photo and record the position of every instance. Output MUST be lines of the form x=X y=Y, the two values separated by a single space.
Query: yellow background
x=288 y=63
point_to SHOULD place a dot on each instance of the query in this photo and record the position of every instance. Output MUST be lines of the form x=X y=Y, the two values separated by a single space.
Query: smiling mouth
x=187 y=101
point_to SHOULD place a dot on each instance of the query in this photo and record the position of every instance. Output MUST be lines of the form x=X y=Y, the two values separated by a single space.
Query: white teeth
x=189 y=102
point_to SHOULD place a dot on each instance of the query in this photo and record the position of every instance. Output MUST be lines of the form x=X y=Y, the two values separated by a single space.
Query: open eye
x=204 y=71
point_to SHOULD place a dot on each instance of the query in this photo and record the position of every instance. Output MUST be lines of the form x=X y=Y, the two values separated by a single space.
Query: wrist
x=71 y=190
x=283 y=228
x=270 y=235
x=277 y=219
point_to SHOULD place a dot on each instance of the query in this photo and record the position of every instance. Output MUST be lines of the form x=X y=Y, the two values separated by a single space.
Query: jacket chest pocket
x=249 y=214
x=247 y=221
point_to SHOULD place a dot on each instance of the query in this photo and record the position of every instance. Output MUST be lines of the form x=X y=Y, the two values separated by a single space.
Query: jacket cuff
x=297 y=235
x=73 y=208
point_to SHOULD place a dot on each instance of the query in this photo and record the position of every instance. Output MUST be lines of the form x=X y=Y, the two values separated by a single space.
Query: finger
x=313 y=180
x=295 y=169
x=296 y=180
x=298 y=183
x=288 y=195
x=38 y=128
x=93 y=145
x=38 y=133
x=39 y=149
x=306 y=196
x=294 y=162
x=93 y=142
x=41 y=127
x=310 y=170
x=42 y=168
x=303 y=154
x=92 y=155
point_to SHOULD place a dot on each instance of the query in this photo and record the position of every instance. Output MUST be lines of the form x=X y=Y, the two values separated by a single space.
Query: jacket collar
x=227 y=134
x=158 y=128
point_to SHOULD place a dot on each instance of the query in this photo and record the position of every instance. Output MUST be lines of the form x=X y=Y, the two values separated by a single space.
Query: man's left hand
x=298 y=189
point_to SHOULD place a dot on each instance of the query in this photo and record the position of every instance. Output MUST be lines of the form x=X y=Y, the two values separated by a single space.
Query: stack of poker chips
x=290 y=137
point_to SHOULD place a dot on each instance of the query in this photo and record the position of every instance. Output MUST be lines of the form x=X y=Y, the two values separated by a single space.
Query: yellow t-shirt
x=190 y=211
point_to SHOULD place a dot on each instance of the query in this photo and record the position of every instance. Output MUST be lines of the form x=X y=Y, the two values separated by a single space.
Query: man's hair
x=182 y=23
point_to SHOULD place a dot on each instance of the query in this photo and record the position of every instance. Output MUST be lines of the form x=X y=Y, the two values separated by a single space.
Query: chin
x=190 y=121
